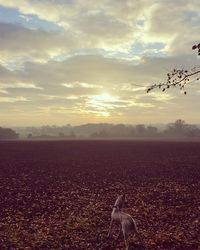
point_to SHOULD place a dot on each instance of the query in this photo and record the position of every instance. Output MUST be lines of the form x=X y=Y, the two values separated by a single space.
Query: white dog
x=126 y=222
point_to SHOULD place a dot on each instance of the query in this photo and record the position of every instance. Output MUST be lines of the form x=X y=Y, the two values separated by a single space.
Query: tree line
x=8 y=134
x=179 y=128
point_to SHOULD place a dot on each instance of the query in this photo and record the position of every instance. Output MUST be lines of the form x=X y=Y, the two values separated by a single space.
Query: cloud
x=92 y=74
x=112 y=26
x=6 y=75
x=83 y=26
x=26 y=44
x=103 y=31
x=13 y=99
x=82 y=83
x=63 y=12
x=175 y=23
x=109 y=48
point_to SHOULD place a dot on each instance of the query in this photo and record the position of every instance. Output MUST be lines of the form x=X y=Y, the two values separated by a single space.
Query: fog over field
x=177 y=129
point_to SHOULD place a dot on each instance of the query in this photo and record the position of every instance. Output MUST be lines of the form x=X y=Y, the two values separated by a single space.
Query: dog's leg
x=110 y=228
x=126 y=240
x=120 y=230
x=135 y=231
x=125 y=234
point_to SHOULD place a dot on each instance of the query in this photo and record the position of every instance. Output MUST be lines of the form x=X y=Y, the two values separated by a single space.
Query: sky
x=86 y=61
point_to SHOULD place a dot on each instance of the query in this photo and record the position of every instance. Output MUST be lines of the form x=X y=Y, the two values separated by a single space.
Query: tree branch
x=178 y=77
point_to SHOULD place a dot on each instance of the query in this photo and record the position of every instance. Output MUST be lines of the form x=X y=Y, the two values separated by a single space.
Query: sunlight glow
x=102 y=104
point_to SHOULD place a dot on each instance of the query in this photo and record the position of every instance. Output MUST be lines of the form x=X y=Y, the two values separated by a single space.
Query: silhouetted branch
x=179 y=77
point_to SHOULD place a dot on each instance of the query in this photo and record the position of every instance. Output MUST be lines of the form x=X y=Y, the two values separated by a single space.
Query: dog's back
x=128 y=223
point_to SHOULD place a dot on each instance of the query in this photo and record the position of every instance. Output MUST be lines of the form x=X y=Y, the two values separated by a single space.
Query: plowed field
x=59 y=194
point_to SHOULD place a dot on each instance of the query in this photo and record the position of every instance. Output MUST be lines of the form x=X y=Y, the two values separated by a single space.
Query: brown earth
x=59 y=194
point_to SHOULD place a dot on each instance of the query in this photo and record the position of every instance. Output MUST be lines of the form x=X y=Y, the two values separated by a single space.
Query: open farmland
x=59 y=194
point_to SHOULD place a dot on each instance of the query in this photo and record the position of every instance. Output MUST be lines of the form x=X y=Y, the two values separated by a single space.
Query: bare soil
x=59 y=194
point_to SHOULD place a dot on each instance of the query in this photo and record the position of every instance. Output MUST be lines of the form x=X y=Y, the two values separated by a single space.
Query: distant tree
x=193 y=131
x=131 y=131
x=151 y=131
x=119 y=130
x=72 y=135
x=94 y=135
x=178 y=128
x=61 y=135
x=140 y=130
x=103 y=133
x=8 y=134
x=179 y=77
x=29 y=136
x=44 y=136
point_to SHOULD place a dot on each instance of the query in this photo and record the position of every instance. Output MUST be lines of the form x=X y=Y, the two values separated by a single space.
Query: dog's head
x=120 y=201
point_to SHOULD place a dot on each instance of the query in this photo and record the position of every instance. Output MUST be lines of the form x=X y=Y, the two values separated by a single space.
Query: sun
x=102 y=104
x=105 y=97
